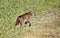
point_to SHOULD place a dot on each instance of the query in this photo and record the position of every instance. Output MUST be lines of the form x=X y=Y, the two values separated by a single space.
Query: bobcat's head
x=32 y=13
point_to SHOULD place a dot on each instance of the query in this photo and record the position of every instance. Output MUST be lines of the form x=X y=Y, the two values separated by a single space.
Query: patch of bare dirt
x=45 y=32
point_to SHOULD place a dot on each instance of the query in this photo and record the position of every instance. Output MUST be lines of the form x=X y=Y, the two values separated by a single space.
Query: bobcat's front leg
x=22 y=24
x=29 y=22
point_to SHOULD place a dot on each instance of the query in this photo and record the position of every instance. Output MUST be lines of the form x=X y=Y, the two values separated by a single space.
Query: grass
x=11 y=9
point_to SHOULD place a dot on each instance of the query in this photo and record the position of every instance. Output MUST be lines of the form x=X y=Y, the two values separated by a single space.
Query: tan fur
x=24 y=18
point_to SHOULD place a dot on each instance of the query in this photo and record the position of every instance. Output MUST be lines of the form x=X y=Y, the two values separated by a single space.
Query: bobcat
x=25 y=18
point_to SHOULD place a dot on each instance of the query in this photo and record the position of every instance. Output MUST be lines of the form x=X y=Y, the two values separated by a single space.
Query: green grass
x=11 y=9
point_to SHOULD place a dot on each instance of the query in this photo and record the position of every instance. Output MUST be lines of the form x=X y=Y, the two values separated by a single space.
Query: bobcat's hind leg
x=17 y=23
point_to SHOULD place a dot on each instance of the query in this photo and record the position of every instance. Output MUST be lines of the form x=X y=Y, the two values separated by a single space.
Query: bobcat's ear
x=31 y=10
x=33 y=13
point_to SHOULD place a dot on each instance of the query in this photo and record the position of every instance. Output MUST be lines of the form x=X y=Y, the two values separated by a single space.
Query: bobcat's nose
x=33 y=14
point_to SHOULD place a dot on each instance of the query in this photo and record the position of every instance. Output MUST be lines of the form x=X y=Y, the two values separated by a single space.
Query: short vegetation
x=46 y=23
